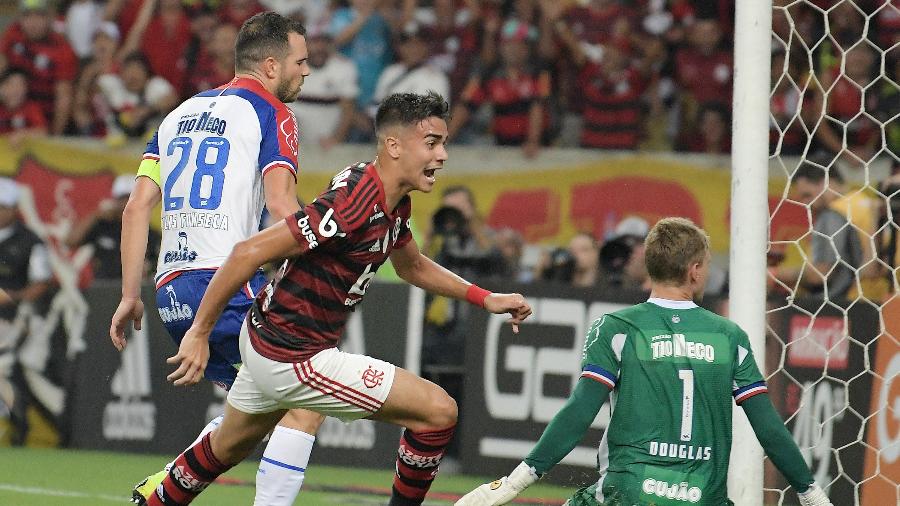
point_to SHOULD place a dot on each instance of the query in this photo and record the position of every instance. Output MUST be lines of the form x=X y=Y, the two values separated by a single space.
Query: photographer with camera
x=454 y=244
x=622 y=256
x=461 y=242
x=577 y=265
x=836 y=251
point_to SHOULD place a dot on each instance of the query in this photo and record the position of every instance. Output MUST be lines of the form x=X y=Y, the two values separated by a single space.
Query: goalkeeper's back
x=675 y=367
x=669 y=369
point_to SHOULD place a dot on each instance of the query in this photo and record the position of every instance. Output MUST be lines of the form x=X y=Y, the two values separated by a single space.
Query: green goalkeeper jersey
x=674 y=368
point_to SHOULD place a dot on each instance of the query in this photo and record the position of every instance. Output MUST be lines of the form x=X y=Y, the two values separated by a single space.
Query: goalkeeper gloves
x=503 y=490
x=814 y=496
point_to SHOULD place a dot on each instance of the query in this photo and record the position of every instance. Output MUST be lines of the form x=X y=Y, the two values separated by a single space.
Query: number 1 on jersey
x=687 y=403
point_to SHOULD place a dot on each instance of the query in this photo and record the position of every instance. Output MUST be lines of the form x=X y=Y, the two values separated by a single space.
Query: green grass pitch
x=51 y=477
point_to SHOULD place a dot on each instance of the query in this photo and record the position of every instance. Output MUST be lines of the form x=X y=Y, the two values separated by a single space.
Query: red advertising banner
x=817 y=342
x=547 y=204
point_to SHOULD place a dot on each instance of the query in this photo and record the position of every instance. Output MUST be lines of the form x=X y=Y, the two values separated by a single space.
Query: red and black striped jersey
x=345 y=235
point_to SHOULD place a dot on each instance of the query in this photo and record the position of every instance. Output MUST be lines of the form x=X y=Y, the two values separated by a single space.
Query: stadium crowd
x=600 y=74
x=607 y=74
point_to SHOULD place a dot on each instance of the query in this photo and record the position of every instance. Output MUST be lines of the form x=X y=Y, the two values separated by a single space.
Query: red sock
x=192 y=472
x=418 y=459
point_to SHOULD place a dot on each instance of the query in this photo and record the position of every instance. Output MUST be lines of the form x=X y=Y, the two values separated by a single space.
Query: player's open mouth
x=429 y=173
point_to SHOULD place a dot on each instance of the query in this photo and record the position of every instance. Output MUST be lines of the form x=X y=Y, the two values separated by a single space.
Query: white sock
x=283 y=467
x=206 y=430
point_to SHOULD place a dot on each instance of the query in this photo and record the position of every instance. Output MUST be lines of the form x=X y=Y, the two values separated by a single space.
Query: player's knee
x=302 y=420
x=444 y=411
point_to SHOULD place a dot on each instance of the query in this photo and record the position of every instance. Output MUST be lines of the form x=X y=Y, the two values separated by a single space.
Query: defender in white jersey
x=209 y=200
x=215 y=161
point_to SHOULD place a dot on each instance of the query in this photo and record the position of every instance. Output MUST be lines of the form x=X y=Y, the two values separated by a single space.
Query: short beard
x=285 y=93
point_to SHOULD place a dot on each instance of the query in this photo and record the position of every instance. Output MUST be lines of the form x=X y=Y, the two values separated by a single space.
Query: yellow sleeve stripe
x=150 y=168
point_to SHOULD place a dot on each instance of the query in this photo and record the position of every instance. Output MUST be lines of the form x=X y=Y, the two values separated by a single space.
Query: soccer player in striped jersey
x=213 y=163
x=289 y=342
x=670 y=369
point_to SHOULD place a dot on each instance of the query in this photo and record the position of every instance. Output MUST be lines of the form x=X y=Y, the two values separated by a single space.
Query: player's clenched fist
x=501 y=491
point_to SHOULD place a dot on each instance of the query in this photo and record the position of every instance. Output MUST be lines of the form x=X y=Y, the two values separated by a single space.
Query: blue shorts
x=177 y=301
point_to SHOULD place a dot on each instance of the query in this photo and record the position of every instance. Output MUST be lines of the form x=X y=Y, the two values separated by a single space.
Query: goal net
x=833 y=314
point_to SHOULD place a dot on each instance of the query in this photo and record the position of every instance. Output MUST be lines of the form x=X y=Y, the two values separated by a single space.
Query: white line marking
x=60 y=493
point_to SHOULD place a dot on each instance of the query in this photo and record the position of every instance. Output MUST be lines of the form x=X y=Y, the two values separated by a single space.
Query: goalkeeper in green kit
x=671 y=369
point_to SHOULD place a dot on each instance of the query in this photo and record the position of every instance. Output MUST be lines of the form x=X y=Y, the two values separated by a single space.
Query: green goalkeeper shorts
x=587 y=496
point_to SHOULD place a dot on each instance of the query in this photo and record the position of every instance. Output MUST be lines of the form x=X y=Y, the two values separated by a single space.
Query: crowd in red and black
x=651 y=75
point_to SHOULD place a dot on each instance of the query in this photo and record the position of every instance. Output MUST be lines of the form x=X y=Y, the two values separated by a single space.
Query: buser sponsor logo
x=676 y=491
x=308 y=234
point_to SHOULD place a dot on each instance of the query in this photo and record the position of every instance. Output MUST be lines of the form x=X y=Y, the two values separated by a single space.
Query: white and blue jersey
x=212 y=153
x=208 y=158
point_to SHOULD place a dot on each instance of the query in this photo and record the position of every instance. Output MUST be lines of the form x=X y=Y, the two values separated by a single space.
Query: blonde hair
x=671 y=247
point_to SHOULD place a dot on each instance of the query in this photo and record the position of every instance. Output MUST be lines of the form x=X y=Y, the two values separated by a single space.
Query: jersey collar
x=672 y=304
x=382 y=199
x=247 y=84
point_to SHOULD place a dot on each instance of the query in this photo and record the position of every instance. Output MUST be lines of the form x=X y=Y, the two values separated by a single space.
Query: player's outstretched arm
x=559 y=438
x=419 y=270
x=135 y=228
x=247 y=256
x=781 y=448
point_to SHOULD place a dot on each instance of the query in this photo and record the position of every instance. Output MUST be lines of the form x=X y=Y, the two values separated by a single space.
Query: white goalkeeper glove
x=503 y=490
x=814 y=496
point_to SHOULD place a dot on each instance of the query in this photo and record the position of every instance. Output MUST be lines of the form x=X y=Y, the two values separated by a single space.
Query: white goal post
x=817 y=105
x=749 y=221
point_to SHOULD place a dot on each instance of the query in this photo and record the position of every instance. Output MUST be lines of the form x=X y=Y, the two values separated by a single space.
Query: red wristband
x=476 y=295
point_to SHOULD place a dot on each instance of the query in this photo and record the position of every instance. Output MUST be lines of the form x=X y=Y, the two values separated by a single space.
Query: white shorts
x=333 y=383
